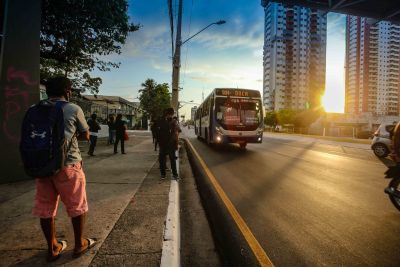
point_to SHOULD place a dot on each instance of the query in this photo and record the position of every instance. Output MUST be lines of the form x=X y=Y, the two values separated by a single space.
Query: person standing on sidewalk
x=120 y=129
x=69 y=183
x=168 y=141
x=153 y=128
x=111 y=129
x=94 y=128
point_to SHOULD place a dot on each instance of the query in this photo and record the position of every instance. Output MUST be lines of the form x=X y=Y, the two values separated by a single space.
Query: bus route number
x=235 y=93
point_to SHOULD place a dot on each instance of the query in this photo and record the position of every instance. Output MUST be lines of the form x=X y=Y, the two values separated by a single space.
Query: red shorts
x=69 y=184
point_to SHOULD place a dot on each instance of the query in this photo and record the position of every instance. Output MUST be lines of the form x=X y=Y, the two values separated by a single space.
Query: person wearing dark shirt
x=167 y=135
x=120 y=129
x=94 y=128
x=111 y=129
x=153 y=129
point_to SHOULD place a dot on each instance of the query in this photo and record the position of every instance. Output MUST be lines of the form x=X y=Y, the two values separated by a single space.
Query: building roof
x=378 y=10
x=110 y=99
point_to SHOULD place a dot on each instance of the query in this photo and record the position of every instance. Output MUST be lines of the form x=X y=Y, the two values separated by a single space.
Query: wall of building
x=294 y=57
x=372 y=67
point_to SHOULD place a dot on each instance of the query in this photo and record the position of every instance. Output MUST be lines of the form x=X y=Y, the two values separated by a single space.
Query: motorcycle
x=393 y=189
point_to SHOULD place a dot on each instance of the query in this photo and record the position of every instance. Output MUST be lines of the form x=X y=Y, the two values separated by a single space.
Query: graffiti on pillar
x=16 y=100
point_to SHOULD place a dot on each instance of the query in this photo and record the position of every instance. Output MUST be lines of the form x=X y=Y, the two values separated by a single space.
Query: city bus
x=230 y=115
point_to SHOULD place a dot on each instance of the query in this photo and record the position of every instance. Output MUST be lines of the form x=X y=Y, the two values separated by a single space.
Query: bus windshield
x=238 y=113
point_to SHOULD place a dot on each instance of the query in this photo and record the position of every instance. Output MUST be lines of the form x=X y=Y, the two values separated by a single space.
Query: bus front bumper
x=238 y=139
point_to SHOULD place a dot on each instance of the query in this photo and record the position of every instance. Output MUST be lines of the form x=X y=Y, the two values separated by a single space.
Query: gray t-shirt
x=75 y=122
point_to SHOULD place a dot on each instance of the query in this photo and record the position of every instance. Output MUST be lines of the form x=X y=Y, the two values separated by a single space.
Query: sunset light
x=332 y=102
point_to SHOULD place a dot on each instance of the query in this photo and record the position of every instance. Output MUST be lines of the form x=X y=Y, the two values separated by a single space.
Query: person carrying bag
x=120 y=129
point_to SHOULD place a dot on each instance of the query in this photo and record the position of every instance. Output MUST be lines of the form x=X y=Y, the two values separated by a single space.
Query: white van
x=381 y=143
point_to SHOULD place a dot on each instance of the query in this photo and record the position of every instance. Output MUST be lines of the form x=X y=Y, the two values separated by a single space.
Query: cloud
x=163 y=66
x=336 y=26
x=258 y=53
x=240 y=35
x=224 y=74
x=149 y=42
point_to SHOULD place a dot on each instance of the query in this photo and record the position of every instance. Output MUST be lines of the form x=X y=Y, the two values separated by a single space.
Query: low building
x=104 y=106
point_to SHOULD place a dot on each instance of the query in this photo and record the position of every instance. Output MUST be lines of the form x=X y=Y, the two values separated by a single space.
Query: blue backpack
x=43 y=144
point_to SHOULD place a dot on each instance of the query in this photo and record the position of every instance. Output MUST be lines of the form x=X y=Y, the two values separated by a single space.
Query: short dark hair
x=58 y=86
x=94 y=116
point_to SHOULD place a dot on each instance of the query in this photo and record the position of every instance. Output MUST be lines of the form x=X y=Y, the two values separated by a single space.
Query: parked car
x=381 y=143
x=365 y=135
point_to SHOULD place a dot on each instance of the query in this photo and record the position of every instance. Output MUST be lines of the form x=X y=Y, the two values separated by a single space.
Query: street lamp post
x=177 y=57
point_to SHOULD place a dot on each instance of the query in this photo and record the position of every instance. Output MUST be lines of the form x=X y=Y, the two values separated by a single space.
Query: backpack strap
x=60 y=104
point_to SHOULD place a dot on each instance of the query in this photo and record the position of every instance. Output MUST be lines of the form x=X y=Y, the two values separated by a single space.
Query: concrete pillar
x=19 y=78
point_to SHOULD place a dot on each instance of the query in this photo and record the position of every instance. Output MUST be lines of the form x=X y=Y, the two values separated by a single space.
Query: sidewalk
x=127 y=209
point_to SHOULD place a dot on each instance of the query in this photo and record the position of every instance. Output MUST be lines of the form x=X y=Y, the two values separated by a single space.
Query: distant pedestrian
x=94 y=128
x=168 y=141
x=120 y=129
x=69 y=183
x=153 y=129
x=111 y=129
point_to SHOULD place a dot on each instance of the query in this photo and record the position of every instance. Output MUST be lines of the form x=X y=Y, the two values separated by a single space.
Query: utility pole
x=177 y=60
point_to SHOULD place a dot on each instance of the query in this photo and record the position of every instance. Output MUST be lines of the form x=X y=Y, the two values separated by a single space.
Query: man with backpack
x=50 y=152
x=167 y=135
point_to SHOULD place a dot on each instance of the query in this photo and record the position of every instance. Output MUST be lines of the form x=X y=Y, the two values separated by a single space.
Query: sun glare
x=332 y=102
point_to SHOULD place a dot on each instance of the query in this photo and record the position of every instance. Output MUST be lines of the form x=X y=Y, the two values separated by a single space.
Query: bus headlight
x=219 y=139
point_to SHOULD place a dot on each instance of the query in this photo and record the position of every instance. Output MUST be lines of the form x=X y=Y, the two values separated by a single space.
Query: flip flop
x=91 y=243
x=63 y=247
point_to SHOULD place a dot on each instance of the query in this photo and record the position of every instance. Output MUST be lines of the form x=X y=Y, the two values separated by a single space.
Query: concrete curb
x=172 y=233
x=229 y=241
x=171 y=244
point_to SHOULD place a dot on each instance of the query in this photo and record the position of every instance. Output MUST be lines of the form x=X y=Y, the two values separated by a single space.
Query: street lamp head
x=220 y=22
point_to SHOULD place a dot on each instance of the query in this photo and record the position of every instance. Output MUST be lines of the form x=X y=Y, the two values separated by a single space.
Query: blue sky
x=229 y=55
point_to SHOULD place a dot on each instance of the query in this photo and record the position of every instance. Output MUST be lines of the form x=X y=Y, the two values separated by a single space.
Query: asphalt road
x=310 y=202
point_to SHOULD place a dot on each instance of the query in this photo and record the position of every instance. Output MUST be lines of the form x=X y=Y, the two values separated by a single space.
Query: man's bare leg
x=49 y=231
x=78 y=224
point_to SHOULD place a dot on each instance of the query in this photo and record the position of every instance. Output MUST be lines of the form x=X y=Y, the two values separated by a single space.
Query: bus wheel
x=242 y=145
x=207 y=137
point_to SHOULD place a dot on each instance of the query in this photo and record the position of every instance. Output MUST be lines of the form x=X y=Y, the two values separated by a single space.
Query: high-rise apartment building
x=372 y=67
x=294 y=56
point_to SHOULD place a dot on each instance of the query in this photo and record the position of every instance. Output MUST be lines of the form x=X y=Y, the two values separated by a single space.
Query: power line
x=171 y=22
x=187 y=46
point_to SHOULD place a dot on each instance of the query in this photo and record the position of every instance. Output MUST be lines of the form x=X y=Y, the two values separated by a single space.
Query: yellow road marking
x=255 y=246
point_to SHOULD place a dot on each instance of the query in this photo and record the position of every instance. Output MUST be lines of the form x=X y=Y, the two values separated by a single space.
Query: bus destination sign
x=237 y=92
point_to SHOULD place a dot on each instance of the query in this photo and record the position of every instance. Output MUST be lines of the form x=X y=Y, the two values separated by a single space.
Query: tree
x=305 y=118
x=271 y=118
x=286 y=116
x=154 y=98
x=76 y=35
